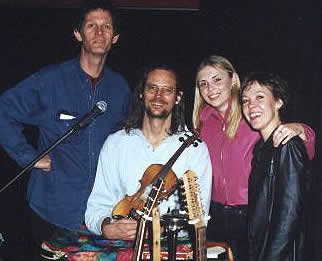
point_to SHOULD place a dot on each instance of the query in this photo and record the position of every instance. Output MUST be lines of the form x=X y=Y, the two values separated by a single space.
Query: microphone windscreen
x=102 y=106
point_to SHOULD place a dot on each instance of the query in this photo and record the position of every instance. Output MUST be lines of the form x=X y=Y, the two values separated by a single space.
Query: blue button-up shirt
x=43 y=99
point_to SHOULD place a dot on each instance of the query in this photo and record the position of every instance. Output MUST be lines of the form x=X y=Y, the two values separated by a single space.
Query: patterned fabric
x=81 y=245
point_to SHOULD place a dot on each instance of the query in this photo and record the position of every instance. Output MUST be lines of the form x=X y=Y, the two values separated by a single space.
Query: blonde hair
x=234 y=115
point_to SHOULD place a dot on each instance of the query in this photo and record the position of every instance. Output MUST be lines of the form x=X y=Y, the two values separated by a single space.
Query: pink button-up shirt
x=231 y=158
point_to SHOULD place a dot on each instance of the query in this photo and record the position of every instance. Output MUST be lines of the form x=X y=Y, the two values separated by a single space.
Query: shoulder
x=121 y=139
x=245 y=130
x=115 y=77
x=51 y=71
x=294 y=148
x=65 y=65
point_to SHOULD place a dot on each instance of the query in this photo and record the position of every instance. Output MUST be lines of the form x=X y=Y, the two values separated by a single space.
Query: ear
x=115 y=38
x=179 y=97
x=279 y=104
x=235 y=79
x=77 y=35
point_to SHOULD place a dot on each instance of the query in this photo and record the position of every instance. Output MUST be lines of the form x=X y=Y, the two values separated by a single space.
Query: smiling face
x=215 y=87
x=261 y=109
x=97 y=34
x=160 y=95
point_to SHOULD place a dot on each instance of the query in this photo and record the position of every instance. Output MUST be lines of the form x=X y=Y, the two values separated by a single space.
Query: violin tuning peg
x=199 y=140
x=181 y=139
x=195 y=144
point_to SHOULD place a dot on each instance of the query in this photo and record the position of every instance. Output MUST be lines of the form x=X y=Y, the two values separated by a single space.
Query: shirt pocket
x=64 y=122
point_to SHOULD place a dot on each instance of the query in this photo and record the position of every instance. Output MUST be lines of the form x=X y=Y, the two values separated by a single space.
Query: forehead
x=209 y=71
x=255 y=87
x=98 y=14
x=161 y=76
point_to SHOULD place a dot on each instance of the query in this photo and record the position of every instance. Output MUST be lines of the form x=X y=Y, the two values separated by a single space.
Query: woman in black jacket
x=277 y=183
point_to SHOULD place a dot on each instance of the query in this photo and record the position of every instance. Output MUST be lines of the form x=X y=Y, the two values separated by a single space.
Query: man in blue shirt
x=54 y=99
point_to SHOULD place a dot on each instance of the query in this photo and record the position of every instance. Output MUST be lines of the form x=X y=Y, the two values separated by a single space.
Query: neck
x=223 y=109
x=156 y=130
x=92 y=64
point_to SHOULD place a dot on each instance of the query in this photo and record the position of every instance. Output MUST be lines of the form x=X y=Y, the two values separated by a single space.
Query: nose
x=211 y=85
x=159 y=92
x=99 y=30
x=252 y=103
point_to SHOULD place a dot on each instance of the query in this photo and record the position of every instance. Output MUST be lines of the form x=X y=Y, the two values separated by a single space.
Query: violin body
x=125 y=207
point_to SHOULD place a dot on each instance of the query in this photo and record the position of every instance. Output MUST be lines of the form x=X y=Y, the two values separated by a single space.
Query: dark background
x=255 y=35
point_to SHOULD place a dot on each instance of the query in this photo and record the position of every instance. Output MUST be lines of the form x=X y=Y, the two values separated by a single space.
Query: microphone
x=99 y=108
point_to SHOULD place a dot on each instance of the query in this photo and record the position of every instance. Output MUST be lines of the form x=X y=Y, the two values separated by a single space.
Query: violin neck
x=172 y=160
x=176 y=155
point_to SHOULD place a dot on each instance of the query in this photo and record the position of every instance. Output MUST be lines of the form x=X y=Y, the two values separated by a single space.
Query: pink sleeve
x=310 y=140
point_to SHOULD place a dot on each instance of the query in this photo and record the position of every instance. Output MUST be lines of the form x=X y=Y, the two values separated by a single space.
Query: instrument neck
x=139 y=242
x=200 y=244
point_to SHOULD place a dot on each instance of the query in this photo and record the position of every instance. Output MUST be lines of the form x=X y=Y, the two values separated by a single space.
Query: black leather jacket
x=277 y=192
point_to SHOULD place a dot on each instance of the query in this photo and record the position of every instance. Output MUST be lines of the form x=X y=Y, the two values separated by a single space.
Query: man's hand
x=285 y=132
x=124 y=229
x=44 y=163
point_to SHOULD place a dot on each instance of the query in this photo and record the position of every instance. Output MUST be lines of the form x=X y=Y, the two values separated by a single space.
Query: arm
x=285 y=132
x=104 y=196
x=18 y=106
x=288 y=203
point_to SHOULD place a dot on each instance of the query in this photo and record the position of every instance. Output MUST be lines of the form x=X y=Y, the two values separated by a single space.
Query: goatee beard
x=163 y=115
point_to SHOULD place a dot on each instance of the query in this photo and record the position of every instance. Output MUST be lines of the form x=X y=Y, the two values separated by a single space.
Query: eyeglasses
x=153 y=89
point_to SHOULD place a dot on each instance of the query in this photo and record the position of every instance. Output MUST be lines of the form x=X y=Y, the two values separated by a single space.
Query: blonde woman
x=230 y=140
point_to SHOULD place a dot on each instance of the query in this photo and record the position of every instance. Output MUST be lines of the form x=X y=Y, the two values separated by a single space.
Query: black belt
x=228 y=208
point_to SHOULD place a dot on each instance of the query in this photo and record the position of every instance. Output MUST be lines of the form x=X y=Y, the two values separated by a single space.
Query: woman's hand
x=285 y=132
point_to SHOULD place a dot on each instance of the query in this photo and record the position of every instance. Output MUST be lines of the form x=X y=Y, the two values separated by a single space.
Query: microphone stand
x=71 y=131
x=174 y=223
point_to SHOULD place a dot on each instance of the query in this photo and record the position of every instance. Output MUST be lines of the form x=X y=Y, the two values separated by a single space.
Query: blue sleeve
x=19 y=106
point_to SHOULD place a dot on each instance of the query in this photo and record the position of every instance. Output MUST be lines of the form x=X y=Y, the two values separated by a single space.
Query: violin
x=127 y=206
x=131 y=205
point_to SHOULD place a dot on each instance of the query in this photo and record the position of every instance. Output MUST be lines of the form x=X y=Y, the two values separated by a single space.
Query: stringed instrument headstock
x=190 y=195
x=188 y=140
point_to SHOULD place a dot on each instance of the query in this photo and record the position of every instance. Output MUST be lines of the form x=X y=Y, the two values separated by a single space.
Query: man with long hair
x=151 y=135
